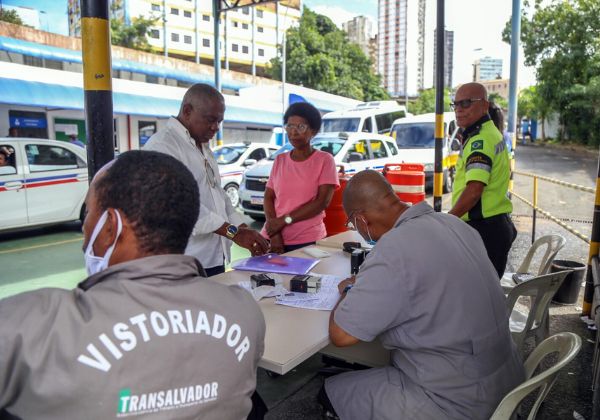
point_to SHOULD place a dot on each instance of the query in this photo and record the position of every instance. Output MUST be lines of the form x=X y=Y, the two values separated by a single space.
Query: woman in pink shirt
x=300 y=186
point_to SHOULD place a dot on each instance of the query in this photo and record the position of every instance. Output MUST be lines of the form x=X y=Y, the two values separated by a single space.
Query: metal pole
x=197 y=30
x=97 y=83
x=535 y=200
x=439 y=110
x=225 y=46
x=166 y=52
x=515 y=39
x=254 y=41
x=217 y=59
x=588 y=295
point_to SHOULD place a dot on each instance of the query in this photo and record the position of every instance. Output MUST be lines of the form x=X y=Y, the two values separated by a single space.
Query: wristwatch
x=231 y=231
x=288 y=220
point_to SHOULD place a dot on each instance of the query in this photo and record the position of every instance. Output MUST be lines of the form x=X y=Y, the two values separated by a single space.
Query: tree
x=425 y=103
x=133 y=35
x=498 y=100
x=319 y=56
x=561 y=40
x=11 y=16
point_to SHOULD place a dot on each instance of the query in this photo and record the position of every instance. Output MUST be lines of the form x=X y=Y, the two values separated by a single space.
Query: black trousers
x=498 y=234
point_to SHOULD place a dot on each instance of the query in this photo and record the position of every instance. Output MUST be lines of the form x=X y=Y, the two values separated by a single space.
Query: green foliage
x=319 y=56
x=498 y=100
x=425 y=103
x=11 y=16
x=562 y=39
x=132 y=36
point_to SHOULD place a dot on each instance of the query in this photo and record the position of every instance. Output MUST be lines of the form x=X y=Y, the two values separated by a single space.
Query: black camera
x=305 y=284
x=258 y=280
x=356 y=259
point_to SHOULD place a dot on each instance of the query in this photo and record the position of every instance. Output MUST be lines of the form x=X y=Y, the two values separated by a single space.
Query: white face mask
x=94 y=264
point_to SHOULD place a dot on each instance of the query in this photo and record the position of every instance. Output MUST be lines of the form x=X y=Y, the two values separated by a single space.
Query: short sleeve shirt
x=297 y=183
x=431 y=295
x=484 y=158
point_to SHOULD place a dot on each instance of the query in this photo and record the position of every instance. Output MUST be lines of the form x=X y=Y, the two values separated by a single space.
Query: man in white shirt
x=186 y=138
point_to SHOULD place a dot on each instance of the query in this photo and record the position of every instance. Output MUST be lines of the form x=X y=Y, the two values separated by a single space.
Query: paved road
x=52 y=256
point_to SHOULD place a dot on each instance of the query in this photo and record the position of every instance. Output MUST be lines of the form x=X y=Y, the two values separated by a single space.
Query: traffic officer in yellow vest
x=482 y=175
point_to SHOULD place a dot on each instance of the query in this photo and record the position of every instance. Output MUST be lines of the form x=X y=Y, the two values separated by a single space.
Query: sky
x=477 y=26
x=53 y=16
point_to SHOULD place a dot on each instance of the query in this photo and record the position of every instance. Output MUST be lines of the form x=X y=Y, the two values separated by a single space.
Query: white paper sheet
x=324 y=300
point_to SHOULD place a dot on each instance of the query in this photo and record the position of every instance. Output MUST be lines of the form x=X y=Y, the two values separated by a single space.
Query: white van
x=415 y=138
x=368 y=117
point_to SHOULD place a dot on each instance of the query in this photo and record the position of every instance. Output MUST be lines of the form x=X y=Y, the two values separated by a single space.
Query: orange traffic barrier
x=335 y=216
x=407 y=179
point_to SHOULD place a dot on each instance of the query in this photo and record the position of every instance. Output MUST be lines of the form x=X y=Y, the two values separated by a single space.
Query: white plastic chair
x=567 y=345
x=540 y=291
x=554 y=243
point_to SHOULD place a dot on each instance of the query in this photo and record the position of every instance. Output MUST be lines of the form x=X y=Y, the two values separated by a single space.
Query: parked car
x=368 y=117
x=352 y=151
x=44 y=182
x=415 y=138
x=233 y=159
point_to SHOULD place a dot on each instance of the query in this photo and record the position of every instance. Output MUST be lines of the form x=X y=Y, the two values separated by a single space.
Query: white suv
x=352 y=151
x=44 y=182
x=233 y=159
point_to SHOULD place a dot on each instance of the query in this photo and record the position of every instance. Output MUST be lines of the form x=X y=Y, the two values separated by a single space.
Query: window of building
x=151 y=79
x=187 y=39
x=244 y=49
x=205 y=42
x=246 y=10
x=260 y=29
x=206 y=18
x=53 y=64
x=33 y=61
x=259 y=13
x=244 y=26
x=234 y=47
x=174 y=37
x=235 y=24
x=154 y=33
x=187 y=14
x=156 y=7
x=174 y=11
x=261 y=52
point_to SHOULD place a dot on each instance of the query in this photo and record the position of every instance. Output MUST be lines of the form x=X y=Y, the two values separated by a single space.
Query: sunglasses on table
x=464 y=104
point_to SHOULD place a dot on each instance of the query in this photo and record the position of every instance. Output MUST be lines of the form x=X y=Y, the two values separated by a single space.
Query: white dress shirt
x=215 y=207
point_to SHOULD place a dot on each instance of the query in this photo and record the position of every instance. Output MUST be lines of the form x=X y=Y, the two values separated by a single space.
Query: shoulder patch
x=477 y=145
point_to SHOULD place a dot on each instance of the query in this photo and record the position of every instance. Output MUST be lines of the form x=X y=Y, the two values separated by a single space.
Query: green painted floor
x=50 y=257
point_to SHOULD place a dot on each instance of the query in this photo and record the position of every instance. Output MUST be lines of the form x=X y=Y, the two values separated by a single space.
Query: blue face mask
x=369 y=241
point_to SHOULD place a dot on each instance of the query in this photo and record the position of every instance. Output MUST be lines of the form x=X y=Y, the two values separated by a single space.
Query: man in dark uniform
x=482 y=175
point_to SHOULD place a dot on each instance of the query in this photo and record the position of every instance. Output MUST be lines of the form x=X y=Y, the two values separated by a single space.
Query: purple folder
x=274 y=263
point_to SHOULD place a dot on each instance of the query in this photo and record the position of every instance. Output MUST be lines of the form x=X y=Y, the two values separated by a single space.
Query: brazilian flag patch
x=477 y=145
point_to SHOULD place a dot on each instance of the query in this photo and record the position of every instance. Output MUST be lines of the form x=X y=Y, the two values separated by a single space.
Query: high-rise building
x=29 y=16
x=401 y=46
x=250 y=34
x=448 y=57
x=487 y=68
x=360 y=32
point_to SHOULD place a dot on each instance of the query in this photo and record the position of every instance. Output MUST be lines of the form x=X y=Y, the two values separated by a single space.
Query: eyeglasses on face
x=465 y=103
x=301 y=128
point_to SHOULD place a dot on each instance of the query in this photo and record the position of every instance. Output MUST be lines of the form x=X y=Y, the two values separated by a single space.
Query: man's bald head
x=202 y=111
x=471 y=104
x=366 y=190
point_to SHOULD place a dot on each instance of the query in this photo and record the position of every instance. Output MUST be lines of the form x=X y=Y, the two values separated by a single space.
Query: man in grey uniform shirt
x=146 y=335
x=431 y=295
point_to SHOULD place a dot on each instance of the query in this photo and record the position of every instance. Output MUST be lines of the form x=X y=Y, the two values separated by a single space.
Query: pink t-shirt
x=297 y=183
